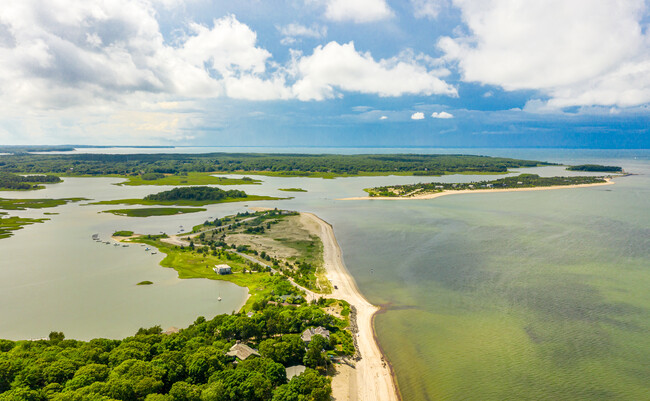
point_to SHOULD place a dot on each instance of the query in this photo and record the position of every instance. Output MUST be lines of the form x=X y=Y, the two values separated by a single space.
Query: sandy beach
x=371 y=379
x=478 y=191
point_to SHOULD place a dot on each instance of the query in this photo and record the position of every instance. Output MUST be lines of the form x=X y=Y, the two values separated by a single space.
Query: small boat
x=146 y=249
x=116 y=244
x=125 y=246
x=219 y=299
x=153 y=253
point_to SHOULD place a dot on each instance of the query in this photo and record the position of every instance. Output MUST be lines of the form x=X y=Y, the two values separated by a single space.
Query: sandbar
x=608 y=181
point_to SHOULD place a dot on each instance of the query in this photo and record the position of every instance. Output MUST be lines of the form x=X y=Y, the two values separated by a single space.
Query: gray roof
x=295 y=371
x=309 y=333
x=241 y=351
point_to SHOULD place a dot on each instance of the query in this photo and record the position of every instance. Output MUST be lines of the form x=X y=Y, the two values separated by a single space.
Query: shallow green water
x=519 y=296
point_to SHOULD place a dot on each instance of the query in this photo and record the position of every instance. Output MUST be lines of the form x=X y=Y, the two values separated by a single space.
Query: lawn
x=193 y=264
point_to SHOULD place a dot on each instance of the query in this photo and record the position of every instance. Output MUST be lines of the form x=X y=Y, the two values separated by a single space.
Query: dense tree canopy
x=286 y=164
x=188 y=365
x=15 y=181
x=196 y=194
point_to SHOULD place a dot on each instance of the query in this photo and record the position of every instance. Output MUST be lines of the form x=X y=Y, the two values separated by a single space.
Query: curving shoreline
x=373 y=374
x=608 y=181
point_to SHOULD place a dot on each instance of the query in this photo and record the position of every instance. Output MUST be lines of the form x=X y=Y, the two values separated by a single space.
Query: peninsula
x=265 y=246
x=523 y=182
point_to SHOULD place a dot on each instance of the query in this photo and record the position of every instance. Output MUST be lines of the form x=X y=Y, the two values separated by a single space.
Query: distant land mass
x=282 y=165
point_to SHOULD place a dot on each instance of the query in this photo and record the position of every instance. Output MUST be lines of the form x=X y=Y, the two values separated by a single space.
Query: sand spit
x=371 y=379
x=479 y=191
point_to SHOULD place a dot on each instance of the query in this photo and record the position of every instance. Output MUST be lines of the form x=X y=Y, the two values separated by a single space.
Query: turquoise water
x=526 y=295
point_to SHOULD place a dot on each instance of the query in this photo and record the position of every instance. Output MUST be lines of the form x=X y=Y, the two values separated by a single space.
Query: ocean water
x=541 y=295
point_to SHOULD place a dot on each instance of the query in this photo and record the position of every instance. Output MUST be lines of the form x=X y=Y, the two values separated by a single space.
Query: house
x=309 y=333
x=222 y=269
x=242 y=351
x=295 y=371
x=171 y=330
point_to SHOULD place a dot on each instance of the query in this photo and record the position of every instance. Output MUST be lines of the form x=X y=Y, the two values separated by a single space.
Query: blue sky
x=484 y=73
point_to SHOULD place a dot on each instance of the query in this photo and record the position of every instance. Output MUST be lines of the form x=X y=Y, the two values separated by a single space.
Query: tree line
x=103 y=164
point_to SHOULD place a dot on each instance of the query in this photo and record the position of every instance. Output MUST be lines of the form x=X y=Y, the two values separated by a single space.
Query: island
x=523 y=182
x=190 y=196
x=596 y=168
x=8 y=224
x=154 y=211
x=292 y=189
x=22 y=204
x=16 y=182
x=13 y=223
x=186 y=178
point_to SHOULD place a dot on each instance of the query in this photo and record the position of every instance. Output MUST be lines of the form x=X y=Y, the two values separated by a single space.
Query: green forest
x=9 y=181
x=520 y=181
x=196 y=194
x=270 y=164
x=188 y=365
x=596 y=168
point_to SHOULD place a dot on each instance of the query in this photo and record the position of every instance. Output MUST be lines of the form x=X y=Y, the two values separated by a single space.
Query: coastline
x=373 y=374
x=608 y=181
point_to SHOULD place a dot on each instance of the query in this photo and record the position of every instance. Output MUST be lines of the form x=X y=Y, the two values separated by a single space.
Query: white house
x=222 y=269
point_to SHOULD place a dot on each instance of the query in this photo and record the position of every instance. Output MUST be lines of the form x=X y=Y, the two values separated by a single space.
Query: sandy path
x=479 y=191
x=373 y=375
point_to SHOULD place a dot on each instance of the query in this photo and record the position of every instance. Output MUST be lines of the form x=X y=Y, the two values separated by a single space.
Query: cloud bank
x=577 y=52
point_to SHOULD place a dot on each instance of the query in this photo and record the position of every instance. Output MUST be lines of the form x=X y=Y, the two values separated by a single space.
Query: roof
x=295 y=371
x=309 y=333
x=241 y=351
x=171 y=330
x=219 y=269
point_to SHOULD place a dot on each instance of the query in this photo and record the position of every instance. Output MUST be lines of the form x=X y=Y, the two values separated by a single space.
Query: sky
x=441 y=73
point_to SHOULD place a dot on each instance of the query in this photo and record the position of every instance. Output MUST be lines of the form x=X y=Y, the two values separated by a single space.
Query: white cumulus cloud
x=427 y=8
x=417 y=116
x=359 y=11
x=293 y=32
x=442 y=114
x=340 y=66
x=577 y=52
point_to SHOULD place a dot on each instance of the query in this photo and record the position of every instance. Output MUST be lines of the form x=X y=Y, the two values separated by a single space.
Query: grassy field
x=22 y=204
x=154 y=211
x=9 y=224
x=249 y=198
x=193 y=264
x=189 y=179
x=284 y=241
x=292 y=189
